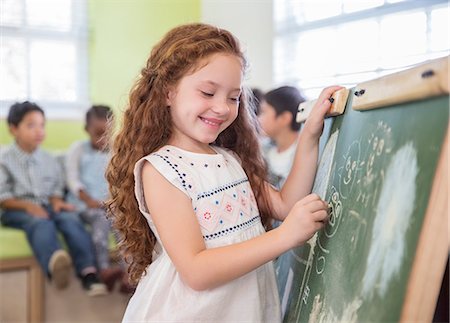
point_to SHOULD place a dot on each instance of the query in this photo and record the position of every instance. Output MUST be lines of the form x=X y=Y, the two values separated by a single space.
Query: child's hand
x=36 y=210
x=94 y=204
x=59 y=205
x=314 y=123
x=307 y=216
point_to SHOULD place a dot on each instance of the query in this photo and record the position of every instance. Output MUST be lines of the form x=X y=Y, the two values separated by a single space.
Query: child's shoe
x=59 y=268
x=92 y=285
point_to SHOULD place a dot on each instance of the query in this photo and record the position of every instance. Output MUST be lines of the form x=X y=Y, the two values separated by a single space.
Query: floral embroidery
x=226 y=208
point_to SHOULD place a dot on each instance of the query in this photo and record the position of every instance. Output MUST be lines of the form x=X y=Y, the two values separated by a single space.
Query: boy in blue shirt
x=31 y=190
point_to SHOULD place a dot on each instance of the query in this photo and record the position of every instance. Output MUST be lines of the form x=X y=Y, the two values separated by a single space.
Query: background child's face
x=30 y=132
x=97 y=130
x=206 y=102
x=269 y=121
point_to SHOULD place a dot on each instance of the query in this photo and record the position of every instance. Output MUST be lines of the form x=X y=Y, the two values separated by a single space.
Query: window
x=43 y=55
x=320 y=43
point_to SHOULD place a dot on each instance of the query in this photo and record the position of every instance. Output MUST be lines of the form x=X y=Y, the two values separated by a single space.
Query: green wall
x=121 y=35
x=60 y=134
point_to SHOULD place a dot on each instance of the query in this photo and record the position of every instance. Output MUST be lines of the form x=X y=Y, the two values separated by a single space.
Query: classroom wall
x=121 y=34
x=252 y=22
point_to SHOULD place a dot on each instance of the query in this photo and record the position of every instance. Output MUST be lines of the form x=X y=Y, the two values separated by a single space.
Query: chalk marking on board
x=335 y=214
x=305 y=279
x=320 y=262
x=316 y=307
x=377 y=187
x=322 y=248
x=349 y=171
x=362 y=226
x=393 y=215
x=322 y=313
x=324 y=168
x=298 y=258
x=287 y=291
x=379 y=144
x=305 y=295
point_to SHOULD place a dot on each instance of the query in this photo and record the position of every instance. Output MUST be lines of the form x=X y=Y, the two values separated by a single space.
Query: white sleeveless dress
x=226 y=210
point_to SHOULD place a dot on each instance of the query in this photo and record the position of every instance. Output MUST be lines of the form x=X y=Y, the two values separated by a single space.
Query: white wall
x=252 y=22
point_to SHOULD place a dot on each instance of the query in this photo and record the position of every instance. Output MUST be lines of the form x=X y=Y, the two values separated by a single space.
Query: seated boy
x=86 y=163
x=277 y=120
x=31 y=188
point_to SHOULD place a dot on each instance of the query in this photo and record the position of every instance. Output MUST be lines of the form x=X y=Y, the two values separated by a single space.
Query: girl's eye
x=207 y=94
x=235 y=100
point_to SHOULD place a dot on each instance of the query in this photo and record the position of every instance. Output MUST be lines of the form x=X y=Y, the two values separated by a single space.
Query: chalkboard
x=377 y=172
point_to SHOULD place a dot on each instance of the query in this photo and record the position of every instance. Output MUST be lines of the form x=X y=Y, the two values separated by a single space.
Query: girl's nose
x=221 y=107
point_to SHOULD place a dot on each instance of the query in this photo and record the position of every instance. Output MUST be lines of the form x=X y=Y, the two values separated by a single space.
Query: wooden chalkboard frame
x=432 y=250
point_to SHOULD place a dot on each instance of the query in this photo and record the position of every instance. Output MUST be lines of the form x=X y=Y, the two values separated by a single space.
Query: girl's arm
x=202 y=268
x=300 y=180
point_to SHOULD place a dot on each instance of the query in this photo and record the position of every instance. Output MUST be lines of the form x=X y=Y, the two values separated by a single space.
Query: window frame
x=78 y=36
x=291 y=28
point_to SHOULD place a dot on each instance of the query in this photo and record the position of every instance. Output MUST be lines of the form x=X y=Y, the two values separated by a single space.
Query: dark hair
x=285 y=98
x=258 y=96
x=18 y=111
x=99 y=112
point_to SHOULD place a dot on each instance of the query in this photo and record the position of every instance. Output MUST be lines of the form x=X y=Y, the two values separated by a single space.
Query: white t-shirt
x=280 y=164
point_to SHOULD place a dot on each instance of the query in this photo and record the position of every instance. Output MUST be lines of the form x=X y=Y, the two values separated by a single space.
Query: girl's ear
x=170 y=97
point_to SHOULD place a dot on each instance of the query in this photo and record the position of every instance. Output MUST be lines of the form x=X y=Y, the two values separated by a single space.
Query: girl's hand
x=314 y=123
x=307 y=216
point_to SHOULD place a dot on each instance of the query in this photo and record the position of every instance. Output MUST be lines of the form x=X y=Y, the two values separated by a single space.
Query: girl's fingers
x=315 y=206
x=320 y=216
x=309 y=198
x=323 y=102
x=328 y=92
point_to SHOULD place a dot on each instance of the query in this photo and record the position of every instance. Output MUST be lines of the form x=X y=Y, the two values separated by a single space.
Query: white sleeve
x=72 y=164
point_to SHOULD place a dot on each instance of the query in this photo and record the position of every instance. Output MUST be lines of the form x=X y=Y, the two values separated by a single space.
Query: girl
x=194 y=233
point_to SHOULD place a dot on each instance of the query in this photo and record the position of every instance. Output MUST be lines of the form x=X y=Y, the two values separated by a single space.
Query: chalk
x=330 y=208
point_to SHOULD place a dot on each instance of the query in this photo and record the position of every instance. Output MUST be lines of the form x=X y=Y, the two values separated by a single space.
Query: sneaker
x=59 y=268
x=93 y=286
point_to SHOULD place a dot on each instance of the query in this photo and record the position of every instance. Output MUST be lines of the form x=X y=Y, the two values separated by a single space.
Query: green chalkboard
x=376 y=171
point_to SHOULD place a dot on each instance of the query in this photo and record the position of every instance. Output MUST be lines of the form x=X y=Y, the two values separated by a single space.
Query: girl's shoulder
x=228 y=153
x=171 y=164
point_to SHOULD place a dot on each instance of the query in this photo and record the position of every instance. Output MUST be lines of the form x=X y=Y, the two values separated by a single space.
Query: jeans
x=42 y=236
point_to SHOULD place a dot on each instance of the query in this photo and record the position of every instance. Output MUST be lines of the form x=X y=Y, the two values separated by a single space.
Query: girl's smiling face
x=206 y=102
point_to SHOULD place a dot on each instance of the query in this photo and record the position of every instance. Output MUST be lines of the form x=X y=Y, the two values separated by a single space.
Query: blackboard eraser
x=338 y=103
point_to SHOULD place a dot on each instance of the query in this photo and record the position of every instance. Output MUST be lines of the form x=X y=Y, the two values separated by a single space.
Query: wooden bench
x=22 y=280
